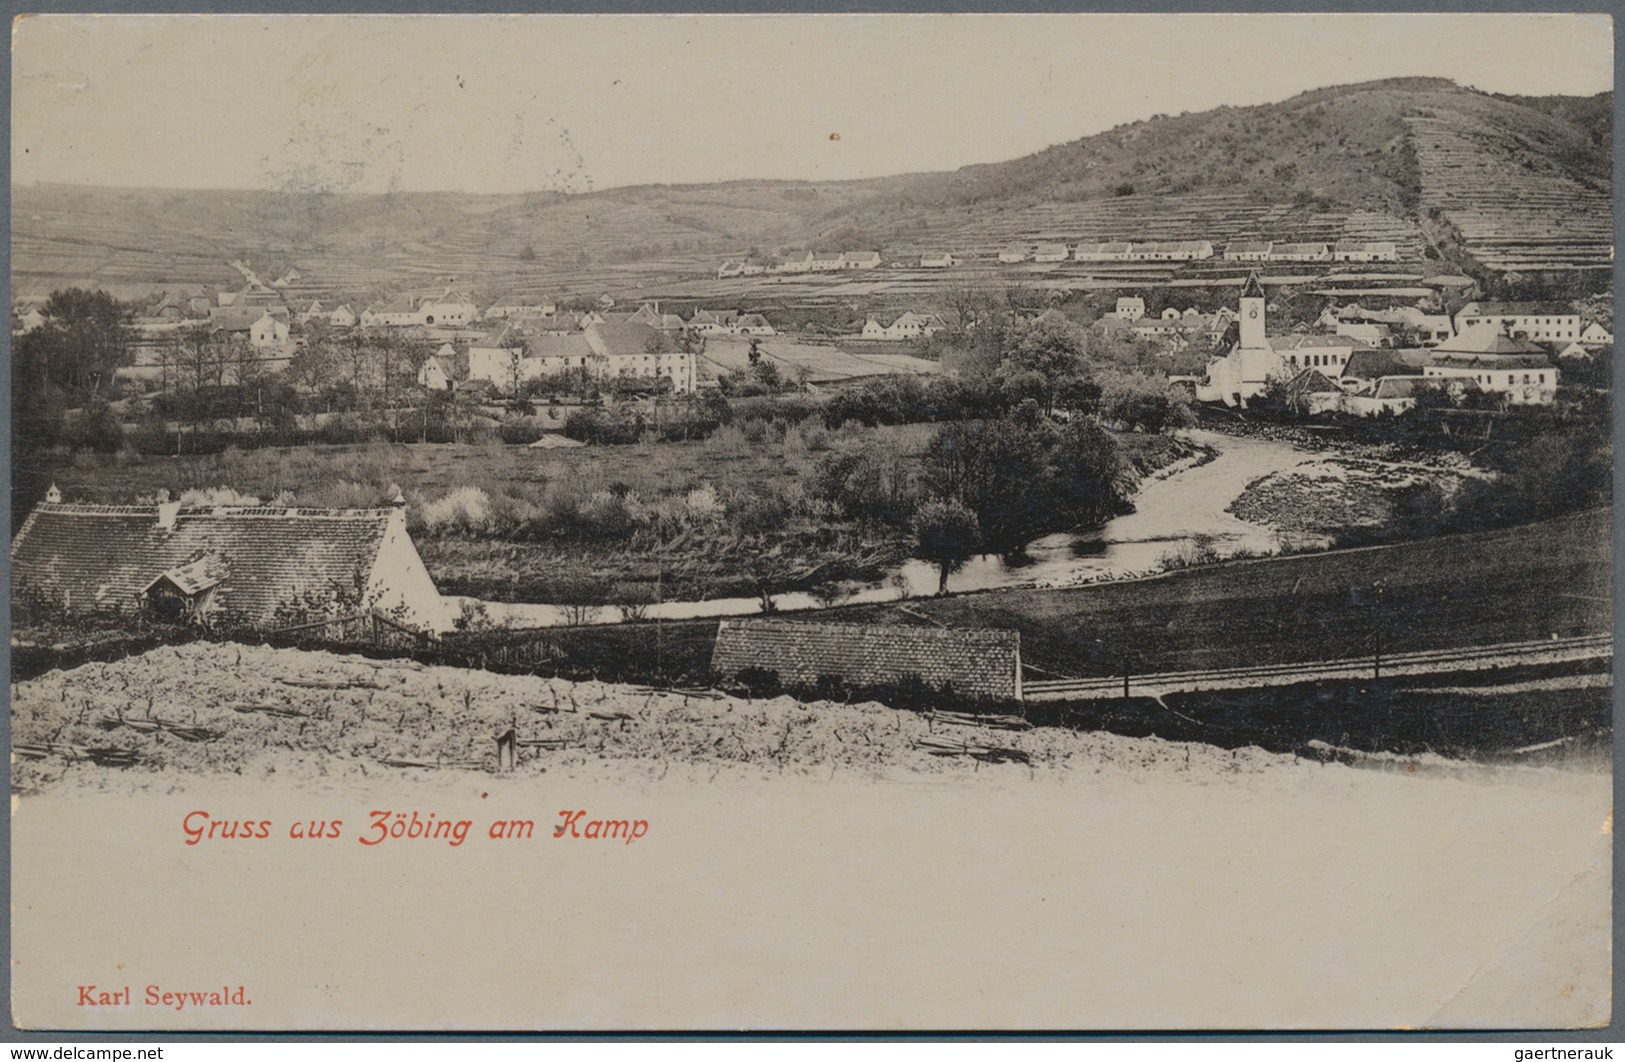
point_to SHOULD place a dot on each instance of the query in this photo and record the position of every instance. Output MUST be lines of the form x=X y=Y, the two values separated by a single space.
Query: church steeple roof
x=1252 y=289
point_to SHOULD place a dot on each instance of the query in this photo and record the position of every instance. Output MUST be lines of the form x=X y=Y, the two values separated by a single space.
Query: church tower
x=1252 y=315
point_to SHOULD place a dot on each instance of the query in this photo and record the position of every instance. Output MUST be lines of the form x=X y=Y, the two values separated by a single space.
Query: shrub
x=466 y=509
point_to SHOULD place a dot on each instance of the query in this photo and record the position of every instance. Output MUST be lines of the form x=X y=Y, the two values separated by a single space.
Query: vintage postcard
x=888 y=522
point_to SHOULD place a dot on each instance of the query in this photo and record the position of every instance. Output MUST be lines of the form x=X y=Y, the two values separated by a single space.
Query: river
x=1170 y=511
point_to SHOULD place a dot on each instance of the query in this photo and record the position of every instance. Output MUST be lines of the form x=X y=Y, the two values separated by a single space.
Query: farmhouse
x=860 y=260
x=1050 y=252
x=795 y=263
x=936 y=260
x=1014 y=253
x=435 y=373
x=1129 y=308
x=1353 y=251
x=712 y=322
x=974 y=663
x=1546 y=322
x=1247 y=251
x=1525 y=379
x=451 y=308
x=1101 y=252
x=908 y=325
x=268 y=333
x=1175 y=251
x=1299 y=252
x=753 y=324
x=827 y=262
x=1497 y=363
x=635 y=350
x=256 y=566
x=1595 y=335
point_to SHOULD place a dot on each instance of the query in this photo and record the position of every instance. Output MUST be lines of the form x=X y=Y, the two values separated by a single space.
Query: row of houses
x=805 y=262
x=907 y=325
x=511 y=355
x=1198 y=250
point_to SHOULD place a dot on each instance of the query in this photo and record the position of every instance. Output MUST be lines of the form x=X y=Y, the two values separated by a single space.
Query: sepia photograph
x=885 y=523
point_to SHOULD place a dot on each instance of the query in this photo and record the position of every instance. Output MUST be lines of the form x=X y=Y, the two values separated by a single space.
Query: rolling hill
x=1506 y=182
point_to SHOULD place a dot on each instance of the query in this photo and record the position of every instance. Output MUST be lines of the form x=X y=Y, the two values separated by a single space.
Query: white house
x=1299 y=252
x=1014 y=253
x=909 y=325
x=827 y=262
x=730 y=268
x=1050 y=252
x=1171 y=251
x=1542 y=322
x=1247 y=251
x=1525 y=379
x=1595 y=335
x=434 y=374
x=1129 y=308
x=268 y=333
x=343 y=317
x=936 y=260
x=1102 y=252
x=795 y=263
x=860 y=260
x=1355 y=251
x=452 y=309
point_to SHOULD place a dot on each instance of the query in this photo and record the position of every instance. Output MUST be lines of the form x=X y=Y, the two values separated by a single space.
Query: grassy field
x=823 y=362
x=1522 y=583
x=761 y=476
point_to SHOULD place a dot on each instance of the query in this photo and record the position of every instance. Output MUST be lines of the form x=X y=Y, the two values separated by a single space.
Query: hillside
x=1514 y=182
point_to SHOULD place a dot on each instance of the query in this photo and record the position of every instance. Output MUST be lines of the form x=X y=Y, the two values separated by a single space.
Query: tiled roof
x=1374 y=363
x=1518 y=309
x=105 y=556
x=977 y=663
x=1492 y=361
x=505 y=336
x=1312 y=381
x=611 y=339
x=570 y=345
x=1486 y=338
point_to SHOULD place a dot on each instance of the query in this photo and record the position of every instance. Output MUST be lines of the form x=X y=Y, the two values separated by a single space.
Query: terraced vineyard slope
x=1436 y=169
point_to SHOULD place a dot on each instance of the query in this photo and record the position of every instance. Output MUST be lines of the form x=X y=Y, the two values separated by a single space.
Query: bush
x=466 y=510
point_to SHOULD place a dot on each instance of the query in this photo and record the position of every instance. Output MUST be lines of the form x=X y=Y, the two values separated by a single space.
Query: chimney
x=167 y=511
x=53 y=495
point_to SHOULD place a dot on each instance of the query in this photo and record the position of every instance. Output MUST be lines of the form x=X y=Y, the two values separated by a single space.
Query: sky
x=503 y=104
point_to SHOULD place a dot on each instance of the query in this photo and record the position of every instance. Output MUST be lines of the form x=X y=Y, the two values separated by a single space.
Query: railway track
x=1433 y=661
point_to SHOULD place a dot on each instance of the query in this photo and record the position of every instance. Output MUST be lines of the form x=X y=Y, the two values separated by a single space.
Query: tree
x=947 y=535
x=1053 y=348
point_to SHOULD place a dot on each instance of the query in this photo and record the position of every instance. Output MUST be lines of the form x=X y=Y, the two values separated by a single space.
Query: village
x=338 y=574
x=1015 y=465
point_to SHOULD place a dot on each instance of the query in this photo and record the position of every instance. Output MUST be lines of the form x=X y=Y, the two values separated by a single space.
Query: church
x=1246 y=370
